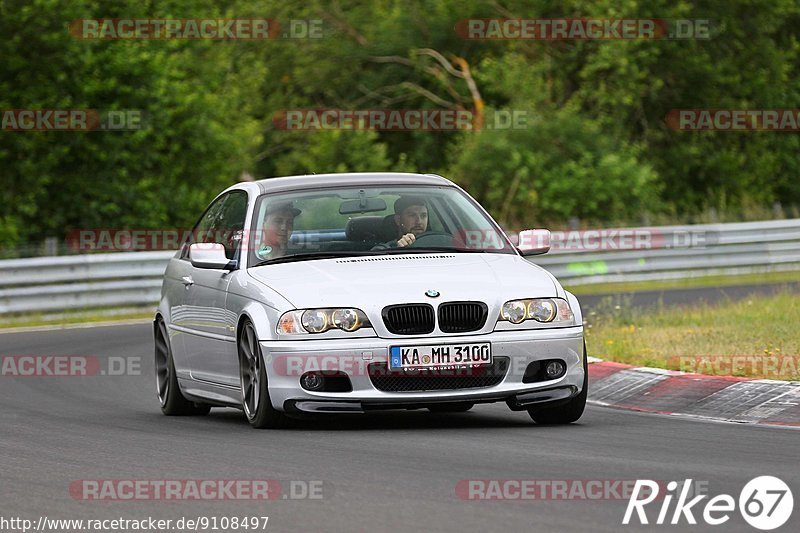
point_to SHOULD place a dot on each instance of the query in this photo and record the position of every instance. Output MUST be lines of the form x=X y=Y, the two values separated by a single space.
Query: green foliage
x=321 y=152
x=559 y=166
x=194 y=142
x=596 y=145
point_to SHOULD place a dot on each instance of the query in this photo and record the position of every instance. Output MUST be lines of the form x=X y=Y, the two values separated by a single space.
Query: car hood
x=377 y=281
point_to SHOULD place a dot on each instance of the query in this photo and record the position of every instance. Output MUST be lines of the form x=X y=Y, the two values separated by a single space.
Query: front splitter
x=516 y=402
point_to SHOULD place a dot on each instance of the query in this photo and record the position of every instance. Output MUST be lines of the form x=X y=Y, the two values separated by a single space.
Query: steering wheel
x=434 y=239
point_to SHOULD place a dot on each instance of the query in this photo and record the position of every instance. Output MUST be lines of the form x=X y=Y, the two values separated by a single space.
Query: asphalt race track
x=379 y=472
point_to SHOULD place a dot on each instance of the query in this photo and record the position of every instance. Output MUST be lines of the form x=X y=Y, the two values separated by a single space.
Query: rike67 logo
x=765 y=503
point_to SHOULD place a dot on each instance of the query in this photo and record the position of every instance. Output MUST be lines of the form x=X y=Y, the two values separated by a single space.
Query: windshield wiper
x=309 y=257
x=428 y=249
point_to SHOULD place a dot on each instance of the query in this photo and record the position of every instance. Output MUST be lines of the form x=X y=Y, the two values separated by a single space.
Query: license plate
x=440 y=355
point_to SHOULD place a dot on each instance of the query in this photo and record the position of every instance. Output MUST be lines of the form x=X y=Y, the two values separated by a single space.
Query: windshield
x=365 y=221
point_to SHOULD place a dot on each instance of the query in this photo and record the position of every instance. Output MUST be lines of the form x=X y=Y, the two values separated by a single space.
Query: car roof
x=313 y=181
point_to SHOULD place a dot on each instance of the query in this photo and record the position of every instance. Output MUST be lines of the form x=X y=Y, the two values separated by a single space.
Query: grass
x=77 y=317
x=684 y=283
x=753 y=337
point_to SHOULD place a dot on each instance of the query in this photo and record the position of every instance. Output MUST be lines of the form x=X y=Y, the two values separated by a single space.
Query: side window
x=223 y=223
x=204 y=227
x=230 y=223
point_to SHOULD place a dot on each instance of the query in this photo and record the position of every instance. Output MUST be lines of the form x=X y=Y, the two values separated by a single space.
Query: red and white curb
x=729 y=399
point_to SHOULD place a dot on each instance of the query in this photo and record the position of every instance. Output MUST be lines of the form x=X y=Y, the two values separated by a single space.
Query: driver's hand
x=406 y=239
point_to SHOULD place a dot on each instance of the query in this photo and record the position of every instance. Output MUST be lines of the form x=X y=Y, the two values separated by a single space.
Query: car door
x=178 y=284
x=174 y=292
x=211 y=344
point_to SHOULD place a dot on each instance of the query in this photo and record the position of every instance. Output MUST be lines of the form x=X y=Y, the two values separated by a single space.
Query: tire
x=256 y=402
x=451 y=408
x=569 y=412
x=169 y=394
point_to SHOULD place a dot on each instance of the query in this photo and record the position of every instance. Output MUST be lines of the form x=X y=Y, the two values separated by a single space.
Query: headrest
x=387 y=229
x=363 y=229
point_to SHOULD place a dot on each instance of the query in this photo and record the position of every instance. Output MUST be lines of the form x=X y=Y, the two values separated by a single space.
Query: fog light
x=312 y=381
x=554 y=369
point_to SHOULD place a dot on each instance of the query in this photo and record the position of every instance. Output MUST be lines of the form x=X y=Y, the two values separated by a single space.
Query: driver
x=411 y=220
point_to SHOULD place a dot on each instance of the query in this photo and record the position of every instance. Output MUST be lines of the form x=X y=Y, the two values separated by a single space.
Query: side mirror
x=534 y=242
x=210 y=255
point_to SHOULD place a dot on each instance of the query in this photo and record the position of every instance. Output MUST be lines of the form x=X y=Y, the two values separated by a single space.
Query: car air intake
x=460 y=317
x=409 y=319
x=429 y=379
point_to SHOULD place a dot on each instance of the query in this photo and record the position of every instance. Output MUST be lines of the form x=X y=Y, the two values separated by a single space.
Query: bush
x=559 y=166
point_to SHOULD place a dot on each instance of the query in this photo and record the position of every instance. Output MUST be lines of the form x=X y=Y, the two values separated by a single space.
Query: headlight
x=513 y=311
x=553 y=310
x=542 y=310
x=315 y=321
x=320 y=320
x=346 y=319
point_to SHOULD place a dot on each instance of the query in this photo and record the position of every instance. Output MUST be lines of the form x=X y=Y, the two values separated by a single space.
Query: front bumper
x=287 y=360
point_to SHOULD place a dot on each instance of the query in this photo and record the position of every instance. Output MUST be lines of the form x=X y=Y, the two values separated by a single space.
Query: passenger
x=278 y=227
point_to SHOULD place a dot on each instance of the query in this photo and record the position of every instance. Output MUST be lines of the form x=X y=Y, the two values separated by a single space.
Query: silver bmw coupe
x=347 y=293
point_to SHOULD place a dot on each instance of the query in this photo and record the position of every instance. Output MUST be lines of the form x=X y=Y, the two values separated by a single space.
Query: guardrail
x=81 y=281
x=134 y=278
x=688 y=251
